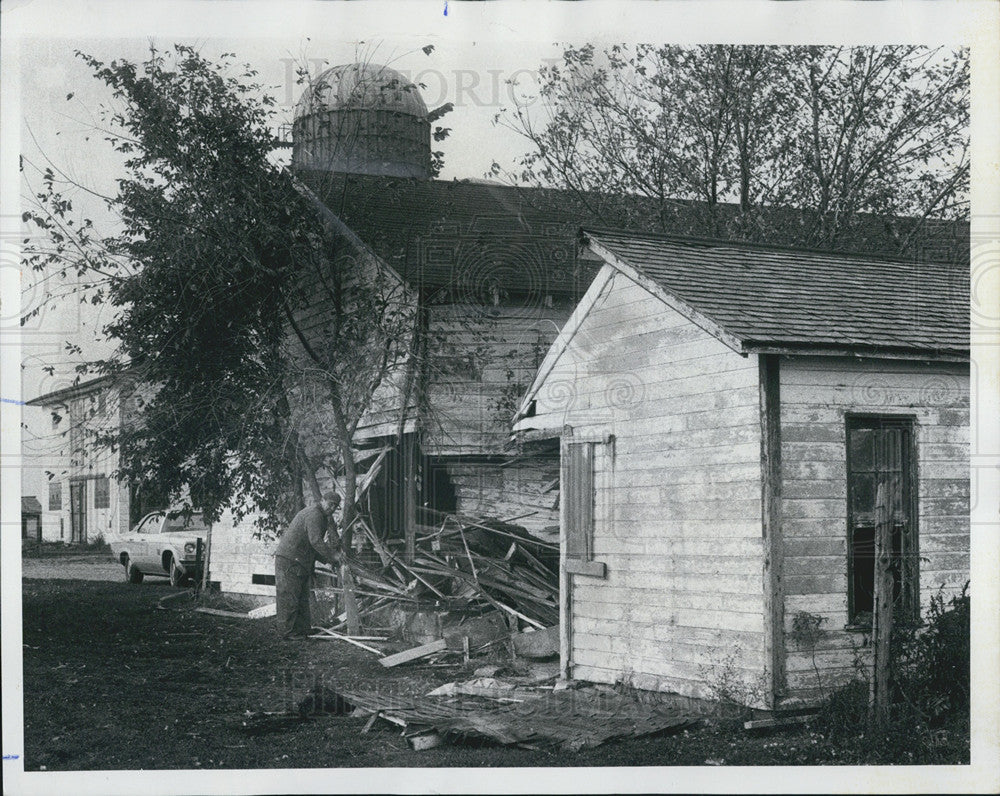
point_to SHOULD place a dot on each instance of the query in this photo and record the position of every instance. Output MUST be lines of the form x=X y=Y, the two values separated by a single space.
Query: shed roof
x=779 y=298
x=30 y=505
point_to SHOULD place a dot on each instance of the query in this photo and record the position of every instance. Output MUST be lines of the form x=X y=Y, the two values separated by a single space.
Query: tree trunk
x=879 y=694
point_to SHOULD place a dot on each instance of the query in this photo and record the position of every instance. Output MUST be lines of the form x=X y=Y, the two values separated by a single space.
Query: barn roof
x=457 y=235
x=771 y=298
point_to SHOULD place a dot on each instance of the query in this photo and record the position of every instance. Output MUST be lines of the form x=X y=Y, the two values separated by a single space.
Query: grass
x=104 y=671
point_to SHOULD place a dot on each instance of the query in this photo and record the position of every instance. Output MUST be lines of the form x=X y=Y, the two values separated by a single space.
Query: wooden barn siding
x=487 y=489
x=678 y=510
x=816 y=394
x=481 y=361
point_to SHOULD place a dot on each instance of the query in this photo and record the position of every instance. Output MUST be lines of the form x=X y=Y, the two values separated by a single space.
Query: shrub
x=930 y=664
x=929 y=717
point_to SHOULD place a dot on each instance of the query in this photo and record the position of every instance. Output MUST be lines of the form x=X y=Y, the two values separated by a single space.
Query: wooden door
x=78 y=512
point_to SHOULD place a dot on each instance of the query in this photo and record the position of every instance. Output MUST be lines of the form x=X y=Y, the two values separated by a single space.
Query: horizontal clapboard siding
x=480 y=361
x=816 y=395
x=678 y=499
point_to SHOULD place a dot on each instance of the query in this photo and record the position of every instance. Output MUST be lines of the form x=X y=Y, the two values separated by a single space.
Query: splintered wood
x=462 y=564
x=572 y=719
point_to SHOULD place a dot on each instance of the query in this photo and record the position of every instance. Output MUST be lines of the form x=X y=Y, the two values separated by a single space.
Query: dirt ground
x=111 y=682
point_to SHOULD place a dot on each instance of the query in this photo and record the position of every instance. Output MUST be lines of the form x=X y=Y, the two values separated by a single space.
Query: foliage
x=931 y=664
x=218 y=252
x=830 y=131
x=729 y=685
x=929 y=717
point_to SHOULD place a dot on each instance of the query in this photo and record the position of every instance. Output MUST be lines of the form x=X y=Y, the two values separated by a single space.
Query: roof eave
x=874 y=351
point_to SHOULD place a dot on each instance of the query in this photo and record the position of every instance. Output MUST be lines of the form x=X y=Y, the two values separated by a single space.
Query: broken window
x=880 y=467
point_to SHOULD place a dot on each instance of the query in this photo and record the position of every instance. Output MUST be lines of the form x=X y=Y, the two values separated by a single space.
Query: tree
x=219 y=257
x=780 y=144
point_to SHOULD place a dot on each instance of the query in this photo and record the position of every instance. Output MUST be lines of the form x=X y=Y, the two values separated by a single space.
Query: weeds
x=929 y=716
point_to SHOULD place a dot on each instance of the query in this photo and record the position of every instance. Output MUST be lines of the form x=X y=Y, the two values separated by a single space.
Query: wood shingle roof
x=793 y=299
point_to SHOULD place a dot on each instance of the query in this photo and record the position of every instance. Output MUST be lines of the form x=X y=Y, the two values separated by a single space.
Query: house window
x=102 y=493
x=55 y=496
x=880 y=469
x=579 y=496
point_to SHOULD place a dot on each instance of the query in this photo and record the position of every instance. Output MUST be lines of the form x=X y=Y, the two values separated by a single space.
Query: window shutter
x=579 y=499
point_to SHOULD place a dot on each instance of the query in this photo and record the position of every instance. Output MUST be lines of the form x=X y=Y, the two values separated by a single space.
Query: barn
x=727 y=414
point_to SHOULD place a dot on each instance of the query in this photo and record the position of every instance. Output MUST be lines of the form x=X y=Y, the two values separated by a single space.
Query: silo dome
x=362 y=119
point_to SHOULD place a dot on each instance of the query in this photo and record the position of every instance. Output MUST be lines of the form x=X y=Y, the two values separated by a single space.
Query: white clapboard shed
x=727 y=413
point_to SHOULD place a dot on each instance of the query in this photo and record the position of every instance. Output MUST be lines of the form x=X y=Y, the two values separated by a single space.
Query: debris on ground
x=516 y=713
x=462 y=564
x=539 y=644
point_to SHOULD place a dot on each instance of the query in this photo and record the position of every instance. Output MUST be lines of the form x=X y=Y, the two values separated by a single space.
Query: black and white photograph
x=500 y=397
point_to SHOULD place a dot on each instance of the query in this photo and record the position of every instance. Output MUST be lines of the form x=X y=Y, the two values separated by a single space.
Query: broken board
x=412 y=654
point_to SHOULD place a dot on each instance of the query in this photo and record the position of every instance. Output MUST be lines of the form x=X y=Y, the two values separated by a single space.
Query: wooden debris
x=777 y=723
x=219 y=612
x=371 y=721
x=329 y=635
x=568 y=719
x=425 y=740
x=263 y=611
x=415 y=653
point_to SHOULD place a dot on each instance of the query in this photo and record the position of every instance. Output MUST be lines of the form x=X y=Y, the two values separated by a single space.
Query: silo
x=362 y=119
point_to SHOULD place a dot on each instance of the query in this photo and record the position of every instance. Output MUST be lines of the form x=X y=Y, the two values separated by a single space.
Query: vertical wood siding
x=817 y=393
x=677 y=509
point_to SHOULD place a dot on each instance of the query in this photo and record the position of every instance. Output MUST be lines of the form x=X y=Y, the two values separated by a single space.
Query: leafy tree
x=781 y=144
x=215 y=276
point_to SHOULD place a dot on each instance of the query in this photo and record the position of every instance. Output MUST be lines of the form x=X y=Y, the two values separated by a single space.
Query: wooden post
x=207 y=559
x=410 y=496
x=350 y=600
x=771 y=504
x=879 y=695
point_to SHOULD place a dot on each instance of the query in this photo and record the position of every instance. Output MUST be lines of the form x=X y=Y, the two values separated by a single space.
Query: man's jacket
x=303 y=541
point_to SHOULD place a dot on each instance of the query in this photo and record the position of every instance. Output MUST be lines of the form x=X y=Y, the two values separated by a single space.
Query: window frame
x=57 y=485
x=580 y=561
x=904 y=612
x=102 y=484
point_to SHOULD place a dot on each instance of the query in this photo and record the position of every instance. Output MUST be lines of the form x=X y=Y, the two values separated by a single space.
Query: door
x=145 y=543
x=880 y=459
x=78 y=512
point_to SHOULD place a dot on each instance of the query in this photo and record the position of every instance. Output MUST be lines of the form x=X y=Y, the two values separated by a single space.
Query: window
x=880 y=472
x=56 y=420
x=102 y=492
x=579 y=507
x=151 y=524
x=55 y=496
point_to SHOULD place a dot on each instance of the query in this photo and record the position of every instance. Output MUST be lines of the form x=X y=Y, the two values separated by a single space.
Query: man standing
x=301 y=544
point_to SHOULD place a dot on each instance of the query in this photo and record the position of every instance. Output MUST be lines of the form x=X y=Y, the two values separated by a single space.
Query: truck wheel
x=177 y=575
x=132 y=573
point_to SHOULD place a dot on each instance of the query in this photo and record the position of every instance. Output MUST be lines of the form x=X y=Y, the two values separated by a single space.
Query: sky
x=62 y=128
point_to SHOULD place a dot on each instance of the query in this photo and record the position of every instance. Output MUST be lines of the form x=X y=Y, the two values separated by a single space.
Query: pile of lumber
x=462 y=564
